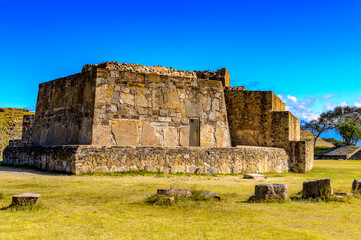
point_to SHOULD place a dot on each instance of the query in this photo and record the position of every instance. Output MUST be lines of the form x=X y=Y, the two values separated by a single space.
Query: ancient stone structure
x=127 y=117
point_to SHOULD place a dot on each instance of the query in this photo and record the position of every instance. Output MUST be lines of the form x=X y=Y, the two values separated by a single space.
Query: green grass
x=321 y=149
x=105 y=206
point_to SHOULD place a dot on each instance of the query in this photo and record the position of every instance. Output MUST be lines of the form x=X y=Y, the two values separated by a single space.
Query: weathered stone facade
x=124 y=117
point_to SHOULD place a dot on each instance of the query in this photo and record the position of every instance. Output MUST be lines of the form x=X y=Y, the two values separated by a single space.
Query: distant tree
x=317 y=127
x=349 y=130
x=337 y=115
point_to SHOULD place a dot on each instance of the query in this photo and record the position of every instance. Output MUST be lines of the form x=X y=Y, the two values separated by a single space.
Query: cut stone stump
x=254 y=176
x=175 y=192
x=317 y=188
x=26 y=199
x=356 y=185
x=209 y=194
x=271 y=191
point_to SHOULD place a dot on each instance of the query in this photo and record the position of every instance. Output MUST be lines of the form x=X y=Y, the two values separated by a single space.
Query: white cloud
x=328 y=96
x=358 y=104
x=300 y=108
x=292 y=98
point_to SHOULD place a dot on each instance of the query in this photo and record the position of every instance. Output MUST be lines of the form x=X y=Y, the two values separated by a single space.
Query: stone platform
x=78 y=159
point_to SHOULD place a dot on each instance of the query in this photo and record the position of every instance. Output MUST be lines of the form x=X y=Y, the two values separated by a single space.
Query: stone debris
x=180 y=192
x=209 y=194
x=254 y=176
x=343 y=195
x=356 y=185
x=271 y=191
x=317 y=188
x=26 y=199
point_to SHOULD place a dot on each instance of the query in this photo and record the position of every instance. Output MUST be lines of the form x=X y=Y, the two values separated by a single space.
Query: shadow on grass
x=24 y=208
x=29 y=170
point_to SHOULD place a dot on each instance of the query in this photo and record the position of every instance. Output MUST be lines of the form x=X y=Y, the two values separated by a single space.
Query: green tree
x=349 y=130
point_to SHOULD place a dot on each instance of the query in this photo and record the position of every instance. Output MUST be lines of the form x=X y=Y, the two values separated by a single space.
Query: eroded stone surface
x=209 y=194
x=317 y=188
x=175 y=192
x=356 y=185
x=271 y=191
x=26 y=199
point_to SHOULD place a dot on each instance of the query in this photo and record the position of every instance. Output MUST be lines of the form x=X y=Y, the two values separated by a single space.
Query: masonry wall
x=146 y=109
x=259 y=118
x=83 y=159
x=64 y=111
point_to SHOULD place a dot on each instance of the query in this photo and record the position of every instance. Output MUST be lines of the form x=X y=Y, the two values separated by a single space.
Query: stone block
x=271 y=191
x=356 y=185
x=224 y=169
x=181 y=192
x=192 y=169
x=209 y=194
x=125 y=133
x=26 y=199
x=184 y=136
x=150 y=135
x=317 y=188
x=254 y=176
x=170 y=137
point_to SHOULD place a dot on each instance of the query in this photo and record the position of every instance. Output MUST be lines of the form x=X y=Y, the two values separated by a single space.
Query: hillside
x=307 y=135
x=11 y=120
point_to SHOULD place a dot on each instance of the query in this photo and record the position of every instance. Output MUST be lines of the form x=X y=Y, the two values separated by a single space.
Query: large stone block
x=126 y=133
x=271 y=191
x=317 y=188
x=26 y=199
x=150 y=135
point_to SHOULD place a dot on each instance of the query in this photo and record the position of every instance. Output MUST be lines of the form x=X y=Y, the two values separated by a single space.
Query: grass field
x=113 y=207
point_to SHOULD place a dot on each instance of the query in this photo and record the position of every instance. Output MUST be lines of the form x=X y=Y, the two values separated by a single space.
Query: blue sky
x=307 y=52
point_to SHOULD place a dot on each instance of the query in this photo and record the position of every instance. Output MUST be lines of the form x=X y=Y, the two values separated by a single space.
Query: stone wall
x=64 y=111
x=82 y=159
x=152 y=108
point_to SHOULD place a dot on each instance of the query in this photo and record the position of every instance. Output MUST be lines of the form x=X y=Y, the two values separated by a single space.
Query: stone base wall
x=86 y=158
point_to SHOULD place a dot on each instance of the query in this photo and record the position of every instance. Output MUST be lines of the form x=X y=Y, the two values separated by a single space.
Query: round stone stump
x=26 y=199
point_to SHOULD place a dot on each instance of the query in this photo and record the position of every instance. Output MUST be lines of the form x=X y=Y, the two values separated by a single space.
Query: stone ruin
x=115 y=117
